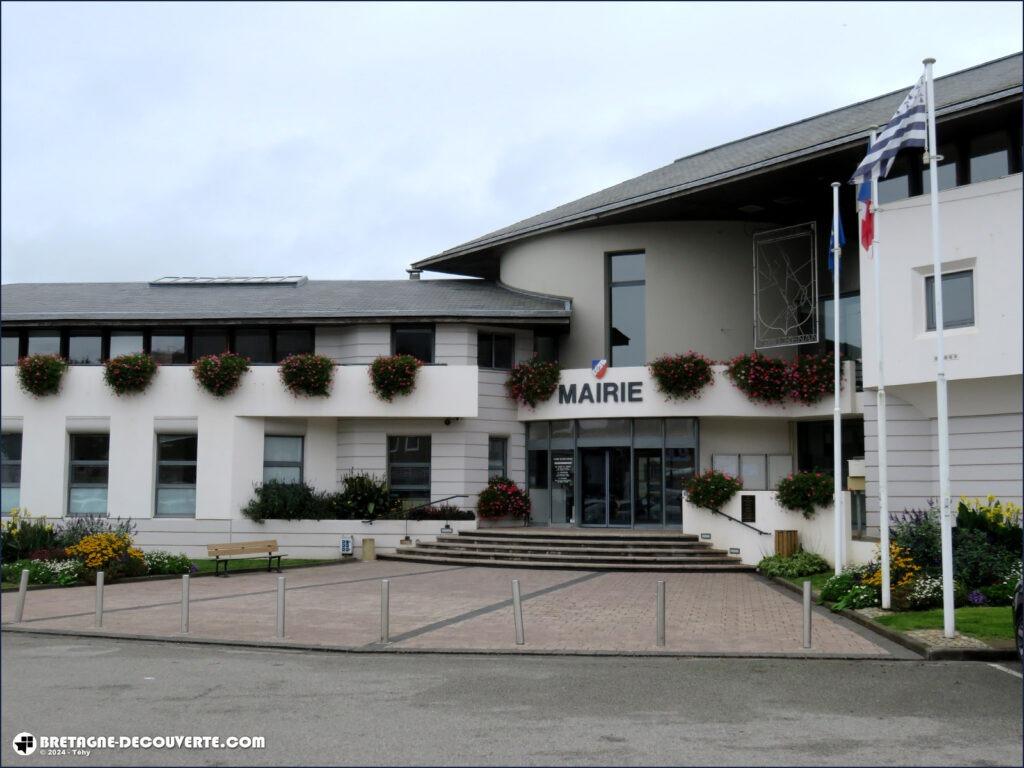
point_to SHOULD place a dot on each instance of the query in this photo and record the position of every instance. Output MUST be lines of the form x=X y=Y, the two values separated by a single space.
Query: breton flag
x=907 y=128
x=867 y=217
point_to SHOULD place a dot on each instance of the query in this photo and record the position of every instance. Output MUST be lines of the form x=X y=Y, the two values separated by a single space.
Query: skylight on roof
x=294 y=280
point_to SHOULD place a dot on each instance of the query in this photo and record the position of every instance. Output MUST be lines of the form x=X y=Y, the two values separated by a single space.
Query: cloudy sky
x=347 y=140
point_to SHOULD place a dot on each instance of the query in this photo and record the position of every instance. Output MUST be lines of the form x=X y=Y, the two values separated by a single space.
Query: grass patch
x=817 y=580
x=240 y=563
x=984 y=622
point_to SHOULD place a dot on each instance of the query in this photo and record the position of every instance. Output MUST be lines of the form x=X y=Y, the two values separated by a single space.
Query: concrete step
x=417 y=556
x=602 y=542
x=618 y=557
x=625 y=534
x=690 y=550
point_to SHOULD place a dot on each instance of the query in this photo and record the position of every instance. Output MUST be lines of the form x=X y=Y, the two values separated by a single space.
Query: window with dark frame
x=85 y=348
x=545 y=346
x=283 y=458
x=168 y=347
x=626 y=309
x=44 y=342
x=11 y=349
x=10 y=471
x=126 y=343
x=495 y=350
x=415 y=340
x=210 y=341
x=957 y=300
x=88 y=474
x=255 y=344
x=176 y=475
x=409 y=469
x=497 y=457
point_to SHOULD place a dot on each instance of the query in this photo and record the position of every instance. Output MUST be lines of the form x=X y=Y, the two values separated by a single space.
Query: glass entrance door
x=605 y=481
x=650 y=507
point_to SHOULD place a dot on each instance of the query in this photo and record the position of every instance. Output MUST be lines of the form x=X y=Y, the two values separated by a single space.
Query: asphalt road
x=367 y=709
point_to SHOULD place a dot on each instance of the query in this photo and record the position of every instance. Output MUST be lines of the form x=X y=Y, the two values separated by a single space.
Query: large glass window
x=176 y=475
x=85 y=348
x=209 y=341
x=292 y=341
x=125 y=343
x=87 y=487
x=497 y=457
x=168 y=347
x=849 y=325
x=415 y=340
x=282 y=458
x=957 y=300
x=896 y=185
x=990 y=156
x=10 y=471
x=254 y=343
x=947 y=170
x=44 y=342
x=626 y=309
x=11 y=347
x=409 y=469
x=495 y=350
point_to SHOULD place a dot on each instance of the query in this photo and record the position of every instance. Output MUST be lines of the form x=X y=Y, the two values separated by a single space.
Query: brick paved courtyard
x=459 y=608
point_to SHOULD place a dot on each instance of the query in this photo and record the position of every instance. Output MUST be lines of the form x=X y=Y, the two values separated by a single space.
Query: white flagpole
x=837 y=429
x=883 y=453
x=941 y=396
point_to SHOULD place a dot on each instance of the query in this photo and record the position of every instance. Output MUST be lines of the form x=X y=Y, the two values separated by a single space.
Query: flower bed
x=308 y=374
x=40 y=375
x=129 y=374
x=394 y=375
x=681 y=377
x=220 y=374
x=533 y=381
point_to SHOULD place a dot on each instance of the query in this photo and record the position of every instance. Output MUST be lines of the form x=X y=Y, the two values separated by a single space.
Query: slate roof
x=313 y=299
x=833 y=130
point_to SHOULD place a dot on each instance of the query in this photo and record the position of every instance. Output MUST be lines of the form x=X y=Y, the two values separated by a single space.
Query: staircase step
x=603 y=542
x=696 y=550
x=602 y=558
x=626 y=534
x=420 y=557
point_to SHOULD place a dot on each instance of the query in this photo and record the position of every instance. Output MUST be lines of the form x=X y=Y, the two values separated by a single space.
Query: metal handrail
x=737 y=520
x=424 y=506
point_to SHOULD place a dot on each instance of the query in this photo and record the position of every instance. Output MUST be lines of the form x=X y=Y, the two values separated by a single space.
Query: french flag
x=867 y=218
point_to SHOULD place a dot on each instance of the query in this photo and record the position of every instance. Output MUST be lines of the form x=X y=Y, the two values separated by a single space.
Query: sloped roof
x=311 y=300
x=836 y=129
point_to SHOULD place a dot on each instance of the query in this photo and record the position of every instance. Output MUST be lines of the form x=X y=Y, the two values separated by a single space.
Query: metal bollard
x=661 y=613
x=517 y=612
x=385 y=607
x=807 y=614
x=19 y=608
x=184 y=604
x=99 y=599
x=280 y=606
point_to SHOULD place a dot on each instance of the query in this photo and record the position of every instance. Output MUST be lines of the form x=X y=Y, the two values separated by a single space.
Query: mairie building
x=724 y=252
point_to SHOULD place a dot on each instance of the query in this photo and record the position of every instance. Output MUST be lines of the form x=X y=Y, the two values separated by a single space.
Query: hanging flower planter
x=806 y=491
x=681 y=377
x=812 y=378
x=503 y=498
x=308 y=374
x=393 y=375
x=40 y=375
x=533 y=381
x=762 y=379
x=220 y=374
x=712 y=489
x=129 y=374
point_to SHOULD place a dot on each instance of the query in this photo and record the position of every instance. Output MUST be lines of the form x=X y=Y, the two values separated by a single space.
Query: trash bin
x=369 y=549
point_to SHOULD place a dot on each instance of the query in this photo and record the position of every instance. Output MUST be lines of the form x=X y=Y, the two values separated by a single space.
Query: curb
x=926 y=651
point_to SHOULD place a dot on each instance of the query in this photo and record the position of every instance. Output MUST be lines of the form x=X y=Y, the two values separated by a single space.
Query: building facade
x=678 y=259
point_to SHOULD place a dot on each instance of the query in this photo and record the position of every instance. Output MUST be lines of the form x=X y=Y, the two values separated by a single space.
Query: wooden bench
x=220 y=553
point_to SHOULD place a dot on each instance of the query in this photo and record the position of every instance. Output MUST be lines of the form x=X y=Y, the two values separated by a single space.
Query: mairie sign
x=601 y=392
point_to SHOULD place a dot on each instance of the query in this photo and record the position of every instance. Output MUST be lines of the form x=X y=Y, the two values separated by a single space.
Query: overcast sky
x=348 y=140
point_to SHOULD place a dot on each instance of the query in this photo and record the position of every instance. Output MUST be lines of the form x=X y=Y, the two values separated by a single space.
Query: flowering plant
x=220 y=374
x=40 y=375
x=805 y=491
x=762 y=379
x=902 y=568
x=308 y=374
x=533 y=381
x=63 y=572
x=811 y=378
x=503 y=498
x=394 y=375
x=111 y=552
x=129 y=374
x=712 y=489
x=681 y=376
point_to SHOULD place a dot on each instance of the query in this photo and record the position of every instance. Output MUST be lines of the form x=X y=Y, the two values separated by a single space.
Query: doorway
x=605 y=481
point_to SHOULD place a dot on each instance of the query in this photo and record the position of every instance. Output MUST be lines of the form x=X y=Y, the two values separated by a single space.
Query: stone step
x=626 y=534
x=602 y=558
x=418 y=556
x=603 y=542
x=690 y=550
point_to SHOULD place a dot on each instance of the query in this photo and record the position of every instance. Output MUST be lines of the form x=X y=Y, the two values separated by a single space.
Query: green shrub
x=918 y=594
x=220 y=374
x=40 y=375
x=23 y=534
x=805 y=491
x=308 y=374
x=681 y=376
x=999 y=594
x=129 y=374
x=838 y=586
x=712 y=489
x=918 y=533
x=976 y=561
x=160 y=562
x=860 y=596
x=794 y=566
x=275 y=500
x=365 y=497
x=63 y=572
x=73 y=529
x=394 y=375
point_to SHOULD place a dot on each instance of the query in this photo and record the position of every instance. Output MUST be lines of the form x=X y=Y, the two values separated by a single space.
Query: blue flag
x=831 y=243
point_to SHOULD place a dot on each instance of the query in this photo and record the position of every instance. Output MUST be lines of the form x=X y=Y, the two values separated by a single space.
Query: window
x=545 y=346
x=176 y=475
x=626 y=309
x=85 y=348
x=292 y=341
x=779 y=467
x=495 y=350
x=10 y=471
x=11 y=349
x=753 y=472
x=44 y=342
x=729 y=463
x=537 y=469
x=282 y=459
x=168 y=347
x=254 y=343
x=989 y=156
x=209 y=341
x=409 y=469
x=415 y=340
x=497 y=457
x=896 y=185
x=957 y=300
x=125 y=343
x=87 y=487
x=947 y=171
